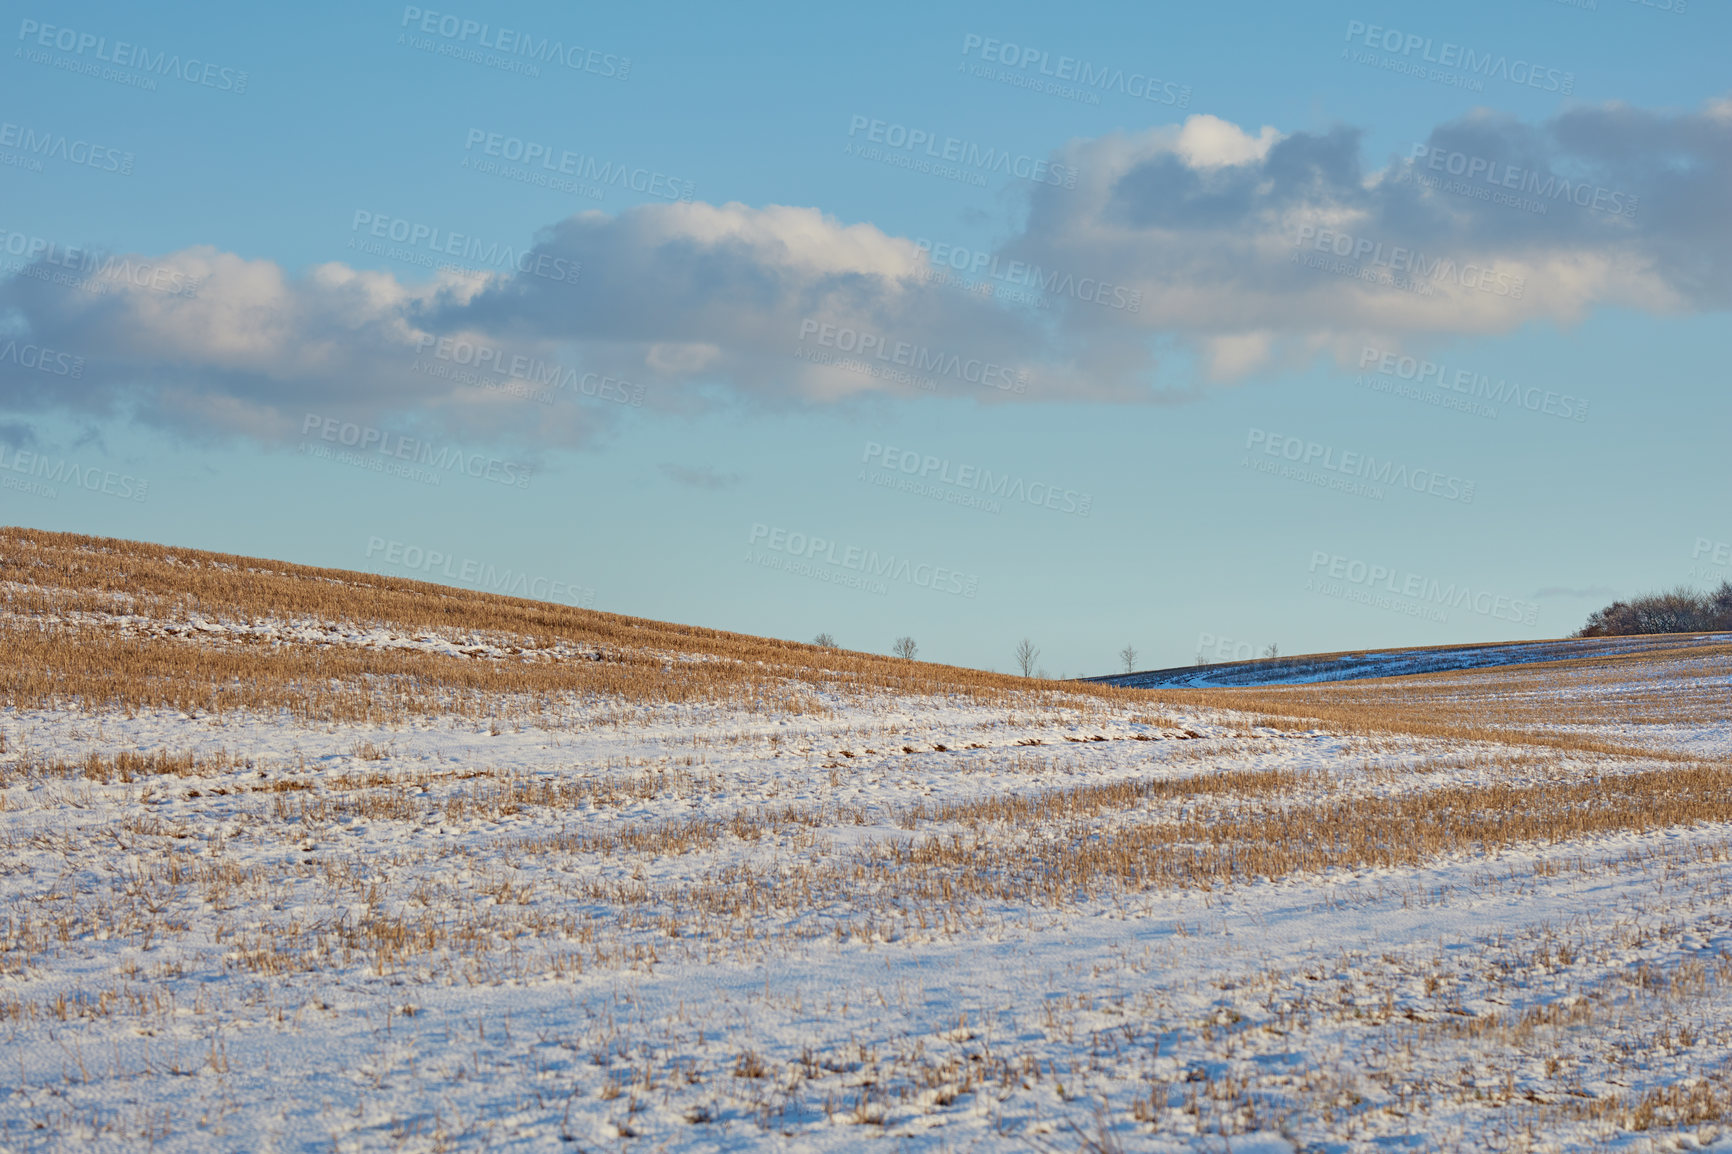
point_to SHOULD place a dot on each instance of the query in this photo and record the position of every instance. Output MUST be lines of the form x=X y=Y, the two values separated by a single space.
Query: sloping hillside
x=1353 y=666
x=299 y=859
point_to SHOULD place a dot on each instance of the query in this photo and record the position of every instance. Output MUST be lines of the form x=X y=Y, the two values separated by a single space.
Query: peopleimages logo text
x=1500 y=391
x=397 y=447
x=60 y=471
x=485 y=358
x=942 y=470
x=952 y=150
x=41 y=359
x=1216 y=648
x=427 y=242
x=460 y=31
x=580 y=166
x=1408 y=266
x=868 y=563
x=124 y=54
x=1425 y=591
x=1359 y=466
x=1502 y=175
x=1021 y=273
x=77 y=267
x=1070 y=70
x=1447 y=54
x=1718 y=552
x=38 y=144
x=484 y=574
x=914 y=358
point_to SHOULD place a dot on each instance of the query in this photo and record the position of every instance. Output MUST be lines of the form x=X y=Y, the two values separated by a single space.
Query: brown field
x=675 y=880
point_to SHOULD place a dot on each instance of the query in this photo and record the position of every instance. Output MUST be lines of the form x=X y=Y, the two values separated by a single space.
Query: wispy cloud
x=1587 y=592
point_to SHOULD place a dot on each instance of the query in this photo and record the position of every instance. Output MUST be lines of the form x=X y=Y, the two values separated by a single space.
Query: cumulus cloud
x=213 y=342
x=1254 y=245
x=775 y=303
x=1251 y=246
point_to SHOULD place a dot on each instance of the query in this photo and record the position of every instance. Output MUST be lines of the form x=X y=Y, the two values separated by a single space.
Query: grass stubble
x=785 y=800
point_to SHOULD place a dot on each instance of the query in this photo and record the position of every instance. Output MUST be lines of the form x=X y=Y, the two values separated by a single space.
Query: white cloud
x=1209 y=142
x=671 y=297
x=1220 y=229
x=1251 y=246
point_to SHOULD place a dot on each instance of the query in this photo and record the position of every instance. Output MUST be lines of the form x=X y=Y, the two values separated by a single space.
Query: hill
x=296 y=859
x=1354 y=666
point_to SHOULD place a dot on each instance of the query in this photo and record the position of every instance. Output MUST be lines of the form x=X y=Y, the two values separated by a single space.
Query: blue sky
x=1198 y=328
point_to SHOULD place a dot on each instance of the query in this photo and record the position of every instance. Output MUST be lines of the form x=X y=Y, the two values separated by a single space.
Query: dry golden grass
x=1671 y=682
x=1042 y=851
x=1228 y=843
x=92 y=662
x=187 y=868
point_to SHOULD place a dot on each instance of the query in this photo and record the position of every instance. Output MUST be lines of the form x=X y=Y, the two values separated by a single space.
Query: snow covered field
x=1385 y=662
x=1029 y=919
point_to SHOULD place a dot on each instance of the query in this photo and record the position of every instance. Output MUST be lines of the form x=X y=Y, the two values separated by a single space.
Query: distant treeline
x=1683 y=610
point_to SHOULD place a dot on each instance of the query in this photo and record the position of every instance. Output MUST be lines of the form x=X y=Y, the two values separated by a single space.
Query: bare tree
x=824 y=641
x=1026 y=656
x=1128 y=655
x=1681 y=610
x=905 y=648
x=1201 y=660
x=1272 y=652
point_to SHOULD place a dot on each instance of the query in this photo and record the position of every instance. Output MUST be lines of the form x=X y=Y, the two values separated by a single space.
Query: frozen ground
x=672 y=927
x=1384 y=663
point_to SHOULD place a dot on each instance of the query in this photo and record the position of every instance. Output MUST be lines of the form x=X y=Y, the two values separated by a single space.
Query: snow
x=1394 y=662
x=148 y=997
